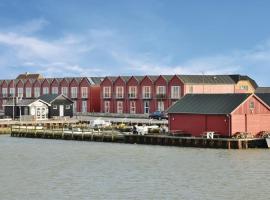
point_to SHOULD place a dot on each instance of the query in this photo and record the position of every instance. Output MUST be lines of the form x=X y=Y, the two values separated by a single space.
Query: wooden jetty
x=114 y=136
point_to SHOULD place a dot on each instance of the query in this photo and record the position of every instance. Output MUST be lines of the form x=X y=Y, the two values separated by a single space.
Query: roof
x=262 y=90
x=208 y=103
x=22 y=102
x=265 y=97
x=29 y=76
x=238 y=77
x=49 y=98
x=206 y=79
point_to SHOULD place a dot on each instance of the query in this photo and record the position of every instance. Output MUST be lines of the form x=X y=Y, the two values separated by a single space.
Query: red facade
x=242 y=119
x=87 y=95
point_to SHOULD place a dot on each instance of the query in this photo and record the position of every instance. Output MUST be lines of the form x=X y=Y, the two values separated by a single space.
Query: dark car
x=158 y=115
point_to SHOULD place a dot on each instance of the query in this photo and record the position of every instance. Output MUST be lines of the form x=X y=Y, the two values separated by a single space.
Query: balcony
x=161 y=96
x=119 y=96
x=132 y=96
x=175 y=97
x=107 y=96
x=146 y=96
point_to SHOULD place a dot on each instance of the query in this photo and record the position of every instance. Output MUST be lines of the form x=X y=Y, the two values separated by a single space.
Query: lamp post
x=13 y=94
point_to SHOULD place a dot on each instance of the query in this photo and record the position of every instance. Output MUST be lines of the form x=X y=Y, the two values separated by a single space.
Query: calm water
x=56 y=169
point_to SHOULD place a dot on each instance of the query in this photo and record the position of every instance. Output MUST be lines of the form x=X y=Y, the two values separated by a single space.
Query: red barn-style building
x=225 y=114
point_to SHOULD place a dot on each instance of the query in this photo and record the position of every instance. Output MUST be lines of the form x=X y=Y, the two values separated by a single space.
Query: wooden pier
x=111 y=136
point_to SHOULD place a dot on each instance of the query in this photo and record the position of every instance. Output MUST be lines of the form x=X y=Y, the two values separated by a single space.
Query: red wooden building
x=225 y=114
x=146 y=94
x=84 y=91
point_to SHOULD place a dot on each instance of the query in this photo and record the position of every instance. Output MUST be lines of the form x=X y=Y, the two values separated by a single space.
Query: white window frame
x=55 y=90
x=28 y=92
x=107 y=92
x=4 y=92
x=160 y=106
x=84 y=106
x=161 y=89
x=107 y=106
x=20 y=91
x=175 y=92
x=132 y=91
x=132 y=107
x=12 y=91
x=74 y=92
x=146 y=92
x=45 y=90
x=120 y=107
x=146 y=109
x=67 y=107
x=74 y=106
x=64 y=91
x=119 y=92
x=84 y=92
x=36 y=92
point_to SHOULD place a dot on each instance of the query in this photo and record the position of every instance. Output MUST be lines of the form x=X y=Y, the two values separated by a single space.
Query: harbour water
x=58 y=169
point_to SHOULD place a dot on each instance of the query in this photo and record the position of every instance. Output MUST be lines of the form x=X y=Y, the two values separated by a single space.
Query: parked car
x=158 y=115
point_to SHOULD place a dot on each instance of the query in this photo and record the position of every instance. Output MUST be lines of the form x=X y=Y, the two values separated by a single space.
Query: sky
x=60 y=38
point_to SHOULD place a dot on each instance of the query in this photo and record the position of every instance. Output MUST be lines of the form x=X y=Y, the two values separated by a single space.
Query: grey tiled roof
x=208 y=103
x=206 y=79
x=49 y=98
x=262 y=90
x=265 y=97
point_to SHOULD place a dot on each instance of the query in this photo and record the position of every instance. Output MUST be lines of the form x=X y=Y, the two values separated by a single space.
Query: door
x=146 y=107
x=61 y=110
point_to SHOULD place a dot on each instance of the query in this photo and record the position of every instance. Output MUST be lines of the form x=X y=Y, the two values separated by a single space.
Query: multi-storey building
x=84 y=91
x=145 y=94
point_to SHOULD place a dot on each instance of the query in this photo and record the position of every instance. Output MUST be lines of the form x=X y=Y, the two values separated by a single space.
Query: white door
x=61 y=110
x=146 y=107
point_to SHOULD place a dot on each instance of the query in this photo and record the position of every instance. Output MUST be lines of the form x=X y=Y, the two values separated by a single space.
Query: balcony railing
x=107 y=96
x=119 y=96
x=161 y=96
x=146 y=96
x=132 y=96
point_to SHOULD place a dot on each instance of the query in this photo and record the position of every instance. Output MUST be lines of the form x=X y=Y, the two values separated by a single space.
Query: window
x=12 y=92
x=191 y=89
x=106 y=106
x=244 y=87
x=146 y=92
x=45 y=90
x=132 y=107
x=160 y=106
x=28 y=92
x=20 y=92
x=132 y=91
x=4 y=92
x=119 y=92
x=36 y=91
x=55 y=107
x=107 y=92
x=64 y=91
x=74 y=92
x=54 y=90
x=74 y=106
x=175 y=92
x=67 y=107
x=84 y=92
x=146 y=107
x=251 y=105
x=84 y=106
x=161 y=90
x=119 y=106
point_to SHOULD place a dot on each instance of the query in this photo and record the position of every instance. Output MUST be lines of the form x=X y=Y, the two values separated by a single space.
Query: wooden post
x=228 y=144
